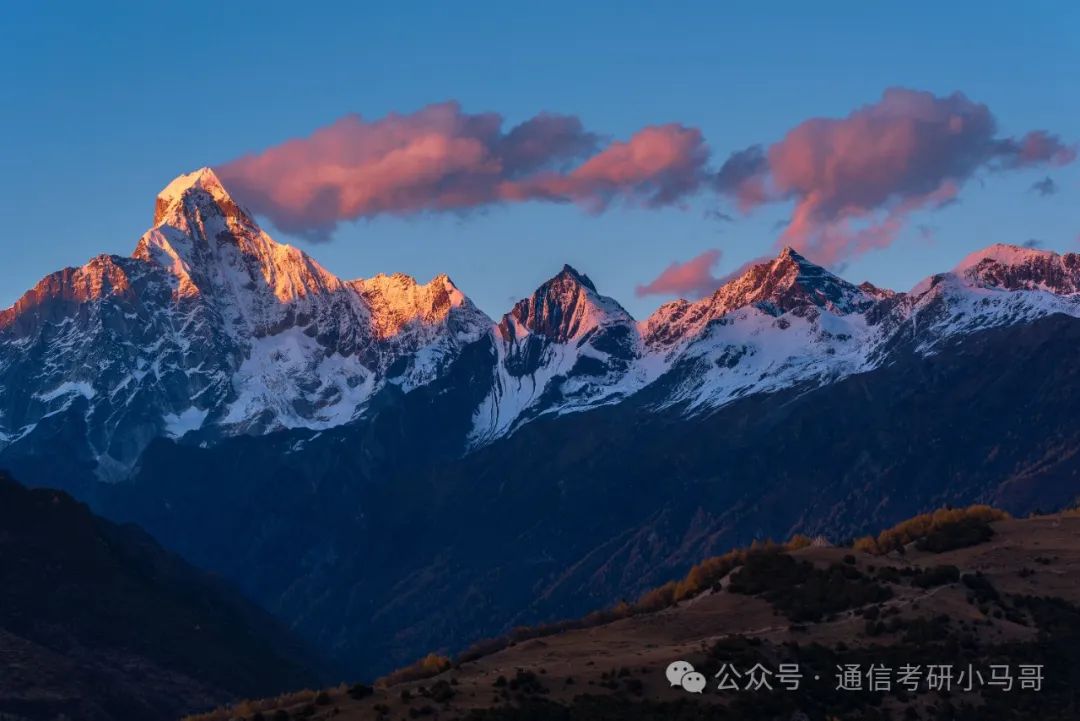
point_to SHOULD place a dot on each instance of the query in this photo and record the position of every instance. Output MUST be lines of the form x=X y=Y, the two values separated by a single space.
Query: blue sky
x=103 y=105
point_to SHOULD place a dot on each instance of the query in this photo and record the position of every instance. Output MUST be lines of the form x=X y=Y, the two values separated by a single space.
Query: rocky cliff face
x=211 y=328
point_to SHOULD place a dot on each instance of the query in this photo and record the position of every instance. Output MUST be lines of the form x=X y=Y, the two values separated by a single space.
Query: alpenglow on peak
x=197 y=188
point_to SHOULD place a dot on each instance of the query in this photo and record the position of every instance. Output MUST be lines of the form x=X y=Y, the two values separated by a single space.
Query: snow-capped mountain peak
x=1005 y=254
x=570 y=274
x=211 y=328
x=401 y=306
x=564 y=308
x=1012 y=267
x=564 y=347
x=789 y=282
x=197 y=191
x=211 y=246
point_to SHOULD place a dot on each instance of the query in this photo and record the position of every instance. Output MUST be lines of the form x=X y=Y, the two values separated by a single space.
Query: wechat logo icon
x=682 y=674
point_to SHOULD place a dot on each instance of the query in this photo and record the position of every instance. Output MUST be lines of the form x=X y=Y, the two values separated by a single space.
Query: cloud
x=743 y=176
x=1033 y=243
x=926 y=231
x=719 y=216
x=1035 y=148
x=1044 y=187
x=855 y=180
x=442 y=159
x=543 y=140
x=692 y=279
x=658 y=166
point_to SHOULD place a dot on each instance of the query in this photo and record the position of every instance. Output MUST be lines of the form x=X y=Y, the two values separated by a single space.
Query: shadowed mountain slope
x=99 y=623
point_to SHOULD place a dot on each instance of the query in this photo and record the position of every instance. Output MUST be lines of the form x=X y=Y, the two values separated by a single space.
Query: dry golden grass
x=249 y=707
x=913 y=529
x=700 y=578
x=431 y=665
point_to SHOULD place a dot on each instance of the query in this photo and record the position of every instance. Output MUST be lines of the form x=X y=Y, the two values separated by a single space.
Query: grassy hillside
x=948 y=589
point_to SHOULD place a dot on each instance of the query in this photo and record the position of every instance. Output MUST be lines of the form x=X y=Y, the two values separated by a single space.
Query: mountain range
x=211 y=329
x=390 y=471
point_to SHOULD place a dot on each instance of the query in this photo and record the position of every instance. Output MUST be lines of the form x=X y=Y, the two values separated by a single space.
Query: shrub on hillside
x=360 y=691
x=709 y=572
x=963 y=533
x=936 y=576
x=700 y=578
x=431 y=665
x=803 y=592
x=941 y=530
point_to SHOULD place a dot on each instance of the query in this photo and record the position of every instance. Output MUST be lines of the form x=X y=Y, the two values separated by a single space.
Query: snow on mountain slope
x=564 y=348
x=304 y=350
x=211 y=325
x=420 y=327
x=1008 y=267
x=814 y=328
x=787 y=284
x=749 y=350
x=781 y=323
x=213 y=328
x=1002 y=285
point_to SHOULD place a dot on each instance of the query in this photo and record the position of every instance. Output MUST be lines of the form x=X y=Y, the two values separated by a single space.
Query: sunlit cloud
x=443 y=159
x=856 y=180
x=692 y=279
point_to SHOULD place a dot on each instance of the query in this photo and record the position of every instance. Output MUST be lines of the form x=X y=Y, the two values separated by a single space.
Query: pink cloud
x=440 y=158
x=855 y=180
x=1035 y=148
x=692 y=279
x=543 y=140
x=658 y=166
x=743 y=177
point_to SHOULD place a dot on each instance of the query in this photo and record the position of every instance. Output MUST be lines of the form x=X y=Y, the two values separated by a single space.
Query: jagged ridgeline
x=211 y=329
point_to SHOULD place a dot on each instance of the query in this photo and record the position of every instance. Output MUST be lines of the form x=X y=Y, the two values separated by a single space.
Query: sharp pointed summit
x=569 y=273
x=564 y=307
x=204 y=179
x=788 y=283
x=214 y=248
x=564 y=346
x=199 y=191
